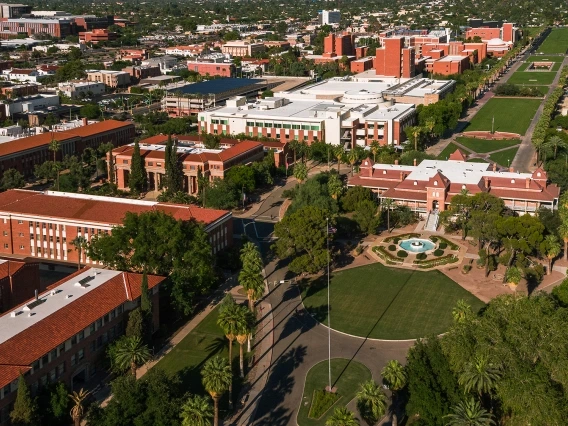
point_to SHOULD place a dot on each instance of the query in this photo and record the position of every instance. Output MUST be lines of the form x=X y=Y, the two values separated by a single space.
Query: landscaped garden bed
x=396 y=238
x=431 y=263
x=442 y=240
x=388 y=257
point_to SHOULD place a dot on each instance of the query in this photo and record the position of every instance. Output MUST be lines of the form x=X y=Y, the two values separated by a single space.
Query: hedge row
x=424 y=264
x=401 y=237
x=442 y=240
x=386 y=256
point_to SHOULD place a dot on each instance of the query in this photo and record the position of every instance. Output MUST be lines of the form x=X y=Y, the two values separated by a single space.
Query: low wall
x=491 y=136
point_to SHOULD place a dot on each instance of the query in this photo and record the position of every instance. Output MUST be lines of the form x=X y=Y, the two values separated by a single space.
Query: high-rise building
x=328 y=17
x=395 y=60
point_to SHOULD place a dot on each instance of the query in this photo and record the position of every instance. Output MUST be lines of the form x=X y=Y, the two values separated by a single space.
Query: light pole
x=328 y=309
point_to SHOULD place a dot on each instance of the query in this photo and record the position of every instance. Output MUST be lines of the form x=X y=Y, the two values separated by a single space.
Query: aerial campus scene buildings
x=283 y=214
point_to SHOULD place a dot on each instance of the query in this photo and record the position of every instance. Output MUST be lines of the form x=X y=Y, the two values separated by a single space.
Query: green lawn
x=556 y=42
x=387 y=303
x=541 y=58
x=187 y=358
x=532 y=77
x=450 y=149
x=511 y=115
x=482 y=146
x=346 y=375
x=504 y=158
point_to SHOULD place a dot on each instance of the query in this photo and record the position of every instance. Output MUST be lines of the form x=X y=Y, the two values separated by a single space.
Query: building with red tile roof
x=430 y=186
x=61 y=334
x=25 y=153
x=42 y=224
x=194 y=157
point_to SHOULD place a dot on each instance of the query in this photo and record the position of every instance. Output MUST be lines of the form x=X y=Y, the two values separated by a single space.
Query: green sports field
x=387 y=303
x=511 y=115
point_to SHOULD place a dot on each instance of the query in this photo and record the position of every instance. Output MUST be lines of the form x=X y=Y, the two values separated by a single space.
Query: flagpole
x=328 y=309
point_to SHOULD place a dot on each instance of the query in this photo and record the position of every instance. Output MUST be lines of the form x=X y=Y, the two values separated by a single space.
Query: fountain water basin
x=417 y=245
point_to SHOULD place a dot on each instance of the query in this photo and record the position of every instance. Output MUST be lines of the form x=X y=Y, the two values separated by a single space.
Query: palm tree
x=371 y=401
x=250 y=257
x=538 y=144
x=552 y=249
x=556 y=142
x=342 y=417
x=301 y=172
x=338 y=153
x=563 y=231
x=375 y=148
x=246 y=325
x=461 y=312
x=416 y=130
x=430 y=124
x=79 y=242
x=294 y=145
x=130 y=353
x=196 y=411
x=387 y=203
x=78 y=409
x=55 y=146
x=480 y=376
x=352 y=157
x=394 y=375
x=216 y=379
x=513 y=276
x=469 y=413
x=253 y=283
x=230 y=322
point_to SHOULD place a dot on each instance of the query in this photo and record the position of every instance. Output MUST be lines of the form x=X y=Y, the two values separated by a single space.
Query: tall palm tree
x=469 y=413
x=394 y=375
x=375 y=148
x=371 y=401
x=387 y=203
x=130 y=353
x=80 y=243
x=196 y=411
x=430 y=124
x=539 y=145
x=353 y=157
x=416 y=131
x=251 y=258
x=479 y=376
x=556 y=142
x=563 y=231
x=55 y=146
x=246 y=325
x=461 y=311
x=216 y=378
x=342 y=417
x=338 y=153
x=253 y=283
x=552 y=249
x=230 y=320
x=78 y=409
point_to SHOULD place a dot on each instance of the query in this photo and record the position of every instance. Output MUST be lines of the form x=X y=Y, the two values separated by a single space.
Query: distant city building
x=20 y=90
x=81 y=89
x=213 y=64
x=9 y=10
x=132 y=54
x=166 y=63
x=191 y=50
x=242 y=48
x=63 y=47
x=329 y=17
x=109 y=78
x=31 y=75
x=96 y=36
x=139 y=72
x=28 y=104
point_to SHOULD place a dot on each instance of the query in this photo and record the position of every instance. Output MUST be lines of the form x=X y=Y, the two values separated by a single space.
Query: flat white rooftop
x=14 y=322
x=185 y=149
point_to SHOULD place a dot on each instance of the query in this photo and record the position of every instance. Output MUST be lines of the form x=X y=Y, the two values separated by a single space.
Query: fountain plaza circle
x=417 y=245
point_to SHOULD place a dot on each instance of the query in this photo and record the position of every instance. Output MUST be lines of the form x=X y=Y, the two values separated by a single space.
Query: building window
x=80 y=354
x=20 y=222
x=5 y=233
x=5 y=246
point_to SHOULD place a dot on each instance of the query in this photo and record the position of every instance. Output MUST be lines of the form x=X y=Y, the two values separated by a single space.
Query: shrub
x=442 y=245
x=389 y=258
x=424 y=264
x=438 y=252
x=322 y=402
x=392 y=247
x=421 y=256
x=359 y=249
x=442 y=240
x=396 y=240
x=466 y=268
x=402 y=253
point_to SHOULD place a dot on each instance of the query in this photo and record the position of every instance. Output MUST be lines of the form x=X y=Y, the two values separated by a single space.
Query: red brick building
x=42 y=224
x=61 y=335
x=19 y=90
x=338 y=45
x=96 y=36
x=395 y=60
x=18 y=282
x=24 y=153
x=361 y=65
x=212 y=163
x=219 y=69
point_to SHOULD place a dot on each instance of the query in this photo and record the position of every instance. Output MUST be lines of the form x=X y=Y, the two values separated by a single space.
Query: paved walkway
x=525 y=160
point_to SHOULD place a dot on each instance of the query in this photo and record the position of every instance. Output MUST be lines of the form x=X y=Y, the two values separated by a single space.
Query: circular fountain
x=417 y=245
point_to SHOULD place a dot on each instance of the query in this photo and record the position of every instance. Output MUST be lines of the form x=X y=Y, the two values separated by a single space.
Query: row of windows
x=219 y=121
x=282 y=125
x=38 y=238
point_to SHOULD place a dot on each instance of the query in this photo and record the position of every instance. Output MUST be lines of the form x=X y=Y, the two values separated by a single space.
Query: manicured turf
x=482 y=146
x=450 y=149
x=187 y=358
x=387 y=303
x=532 y=77
x=504 y=158
x=346 y=375
x=545 y=58
x=511 y=115
x=556 y=42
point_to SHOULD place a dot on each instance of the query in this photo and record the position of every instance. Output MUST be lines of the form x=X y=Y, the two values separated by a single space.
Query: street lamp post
x=330 y=389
